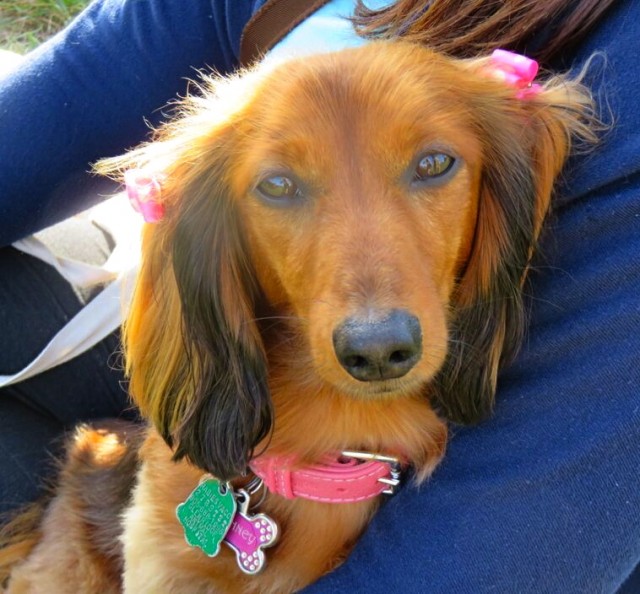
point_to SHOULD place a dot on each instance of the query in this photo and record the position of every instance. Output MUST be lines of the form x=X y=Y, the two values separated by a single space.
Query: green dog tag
x=206 y=515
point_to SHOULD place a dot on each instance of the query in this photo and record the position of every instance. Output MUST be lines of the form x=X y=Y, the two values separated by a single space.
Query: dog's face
x=359 y=202
x=376 y=209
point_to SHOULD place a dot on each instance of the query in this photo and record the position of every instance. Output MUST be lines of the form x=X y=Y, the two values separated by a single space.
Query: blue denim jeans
x=35 y=302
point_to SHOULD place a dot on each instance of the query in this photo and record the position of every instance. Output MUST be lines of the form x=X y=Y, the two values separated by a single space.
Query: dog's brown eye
x=278 y=187
x=433 y=165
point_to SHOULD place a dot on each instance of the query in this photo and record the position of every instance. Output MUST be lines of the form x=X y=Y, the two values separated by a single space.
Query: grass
x=25 y=24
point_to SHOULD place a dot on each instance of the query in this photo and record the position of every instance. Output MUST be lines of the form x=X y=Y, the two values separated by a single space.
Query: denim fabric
x=28 y=445
x=35 y=302
x=93 y=90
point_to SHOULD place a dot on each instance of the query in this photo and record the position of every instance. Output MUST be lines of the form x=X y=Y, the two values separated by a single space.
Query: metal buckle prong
x=371 y=456
x=389 y=481
x=395 y=468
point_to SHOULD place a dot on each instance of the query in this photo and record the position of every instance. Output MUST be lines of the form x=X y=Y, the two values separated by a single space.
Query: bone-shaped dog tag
x=207 y=514
x=248 y=535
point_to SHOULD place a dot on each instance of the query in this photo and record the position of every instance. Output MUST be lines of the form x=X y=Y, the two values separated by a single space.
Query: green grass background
x=24 y=24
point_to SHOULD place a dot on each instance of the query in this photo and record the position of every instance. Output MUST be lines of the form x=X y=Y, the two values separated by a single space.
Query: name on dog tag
x=207 y=514
x=248 y=535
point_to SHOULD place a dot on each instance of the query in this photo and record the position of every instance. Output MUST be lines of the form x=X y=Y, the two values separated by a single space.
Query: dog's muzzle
x=380 y=348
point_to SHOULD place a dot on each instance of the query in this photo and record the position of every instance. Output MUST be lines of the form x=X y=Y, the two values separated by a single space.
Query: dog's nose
x=383 y=348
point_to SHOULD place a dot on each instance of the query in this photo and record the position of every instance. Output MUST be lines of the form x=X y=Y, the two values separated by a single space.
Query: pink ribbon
x=144 y=192
x=516 y=71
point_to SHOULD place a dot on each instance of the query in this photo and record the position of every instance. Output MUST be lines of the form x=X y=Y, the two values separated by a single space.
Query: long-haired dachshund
x=342 y=244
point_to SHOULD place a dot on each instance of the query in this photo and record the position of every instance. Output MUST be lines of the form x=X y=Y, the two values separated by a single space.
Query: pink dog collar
x=343 y=478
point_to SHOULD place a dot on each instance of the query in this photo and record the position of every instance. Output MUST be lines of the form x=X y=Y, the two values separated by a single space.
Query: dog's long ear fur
x=193 y=351
x=526 y=142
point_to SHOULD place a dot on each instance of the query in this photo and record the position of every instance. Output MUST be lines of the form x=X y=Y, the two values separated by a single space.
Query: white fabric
x=103 y=314
x=326 y=30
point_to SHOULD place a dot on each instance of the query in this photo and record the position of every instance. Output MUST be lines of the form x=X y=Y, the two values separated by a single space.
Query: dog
x=337 y=266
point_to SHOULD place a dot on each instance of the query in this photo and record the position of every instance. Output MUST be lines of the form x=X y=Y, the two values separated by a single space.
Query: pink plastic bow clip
x=515 y=70
x=144 y=192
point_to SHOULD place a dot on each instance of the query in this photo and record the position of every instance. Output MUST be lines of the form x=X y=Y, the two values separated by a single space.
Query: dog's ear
x=525 y=144
x=194 y=355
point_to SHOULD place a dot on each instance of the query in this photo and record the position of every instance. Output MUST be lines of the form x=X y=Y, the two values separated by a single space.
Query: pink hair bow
x=143 y=190
x=516 y=71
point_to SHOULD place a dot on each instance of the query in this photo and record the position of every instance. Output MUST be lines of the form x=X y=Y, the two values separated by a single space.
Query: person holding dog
x=542 y=496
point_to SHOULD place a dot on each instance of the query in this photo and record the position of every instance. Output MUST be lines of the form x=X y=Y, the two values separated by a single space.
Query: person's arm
x=544 y=496
x=89 y=92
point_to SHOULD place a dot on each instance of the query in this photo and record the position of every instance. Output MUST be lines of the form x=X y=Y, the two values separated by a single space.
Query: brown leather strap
x=271 y=23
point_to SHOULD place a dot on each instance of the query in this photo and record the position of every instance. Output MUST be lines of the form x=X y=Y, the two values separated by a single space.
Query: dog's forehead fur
x=377 y=106
x=380 y=75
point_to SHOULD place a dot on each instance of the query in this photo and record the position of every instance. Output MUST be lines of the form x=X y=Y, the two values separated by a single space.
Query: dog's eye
x=278 y=188
x=432 y=166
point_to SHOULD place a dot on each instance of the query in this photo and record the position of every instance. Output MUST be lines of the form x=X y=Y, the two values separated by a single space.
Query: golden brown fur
x=229 y=341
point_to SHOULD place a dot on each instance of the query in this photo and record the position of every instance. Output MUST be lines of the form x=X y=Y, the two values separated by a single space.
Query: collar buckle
x=395 y=467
